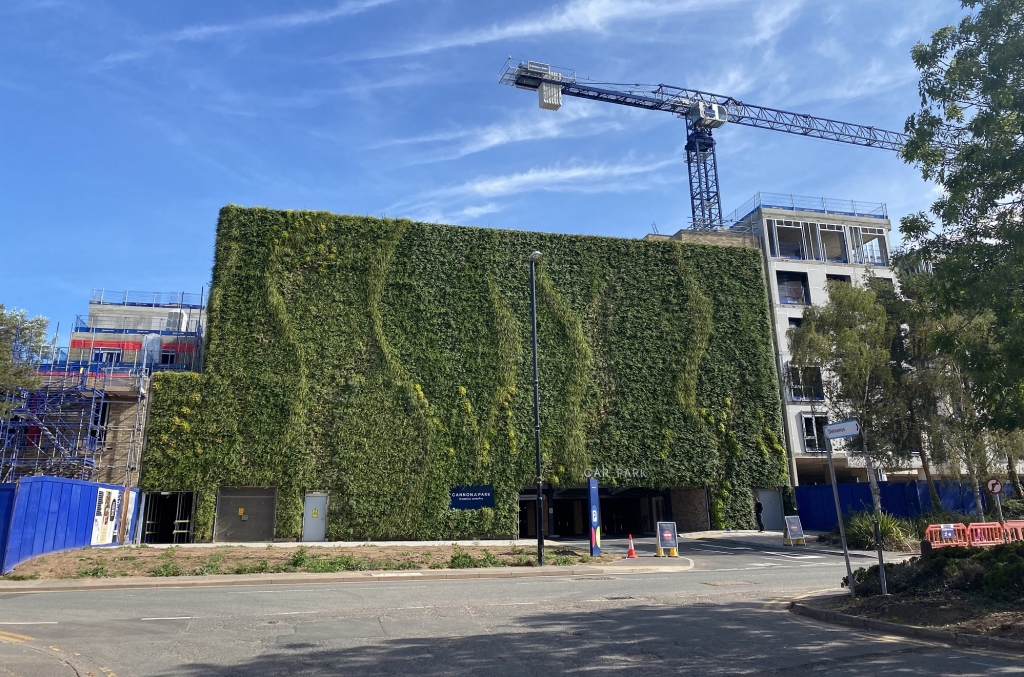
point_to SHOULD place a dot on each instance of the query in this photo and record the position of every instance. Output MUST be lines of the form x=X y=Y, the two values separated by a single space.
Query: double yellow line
x=13 y=637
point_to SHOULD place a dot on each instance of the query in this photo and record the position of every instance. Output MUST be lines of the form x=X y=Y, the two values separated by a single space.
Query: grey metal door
x=772 y=517
x=245 y=514
x=314 y=517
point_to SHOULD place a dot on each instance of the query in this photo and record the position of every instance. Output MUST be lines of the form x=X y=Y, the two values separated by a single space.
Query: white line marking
x=167 y=618
x=29 y=623
x=292 y=613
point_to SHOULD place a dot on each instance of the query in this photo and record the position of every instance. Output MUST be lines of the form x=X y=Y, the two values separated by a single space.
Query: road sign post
x=835 y=431
x=995 y=487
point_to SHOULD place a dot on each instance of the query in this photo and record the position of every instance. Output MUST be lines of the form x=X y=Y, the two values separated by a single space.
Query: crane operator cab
x=709 y=115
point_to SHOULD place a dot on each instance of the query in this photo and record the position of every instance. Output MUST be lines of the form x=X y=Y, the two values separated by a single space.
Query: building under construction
x=87 y=419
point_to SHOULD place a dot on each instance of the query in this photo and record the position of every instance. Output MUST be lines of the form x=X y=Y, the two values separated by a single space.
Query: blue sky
x=127 y=125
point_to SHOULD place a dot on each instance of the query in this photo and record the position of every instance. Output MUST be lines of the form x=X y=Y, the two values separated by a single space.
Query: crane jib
x=703 y=112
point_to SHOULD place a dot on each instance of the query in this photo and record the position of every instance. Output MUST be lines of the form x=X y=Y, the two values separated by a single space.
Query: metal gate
x=314 y=517
x=169 y=517
x=245 y=514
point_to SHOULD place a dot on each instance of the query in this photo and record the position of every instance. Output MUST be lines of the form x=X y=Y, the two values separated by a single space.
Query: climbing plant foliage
x=386 y=361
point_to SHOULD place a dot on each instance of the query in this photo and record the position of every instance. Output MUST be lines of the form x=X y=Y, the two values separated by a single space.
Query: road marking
x=292 y=613
x=14 y=638
x=167 y=618
x=28 y=622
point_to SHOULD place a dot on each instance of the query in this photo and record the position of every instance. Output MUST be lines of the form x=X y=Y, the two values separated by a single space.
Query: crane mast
x=702 y=112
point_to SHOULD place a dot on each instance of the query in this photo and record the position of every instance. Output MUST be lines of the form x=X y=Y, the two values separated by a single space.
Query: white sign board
x=107 y=516
x=835 y=431
x=994 y=486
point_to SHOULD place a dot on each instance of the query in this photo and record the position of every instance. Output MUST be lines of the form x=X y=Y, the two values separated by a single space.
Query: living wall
x=386 y=361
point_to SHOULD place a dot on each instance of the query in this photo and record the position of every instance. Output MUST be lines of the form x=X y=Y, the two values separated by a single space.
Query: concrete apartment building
x=806 y=242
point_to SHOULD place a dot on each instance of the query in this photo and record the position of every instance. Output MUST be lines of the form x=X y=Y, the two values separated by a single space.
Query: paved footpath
x=722 y=616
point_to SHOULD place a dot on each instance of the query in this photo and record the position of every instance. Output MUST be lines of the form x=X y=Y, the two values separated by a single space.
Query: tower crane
x=702 y=112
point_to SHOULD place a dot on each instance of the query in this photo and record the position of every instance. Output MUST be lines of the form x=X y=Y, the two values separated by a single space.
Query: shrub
x=996 y=572
x=167 y=569
x=860 y=531
x=1013 y=509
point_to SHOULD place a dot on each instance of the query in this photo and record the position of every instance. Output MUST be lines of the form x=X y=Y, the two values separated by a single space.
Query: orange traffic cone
x=631 y=553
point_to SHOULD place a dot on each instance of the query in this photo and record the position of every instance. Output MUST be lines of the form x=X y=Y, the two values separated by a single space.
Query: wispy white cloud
x=200 y=32
x=575 y=121
x=771 y=18
x=460 y=202
x=574 y=178
x=591 y=16
x=274 y=21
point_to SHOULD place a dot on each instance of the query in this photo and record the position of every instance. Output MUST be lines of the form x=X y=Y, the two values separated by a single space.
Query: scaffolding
x=87 y=418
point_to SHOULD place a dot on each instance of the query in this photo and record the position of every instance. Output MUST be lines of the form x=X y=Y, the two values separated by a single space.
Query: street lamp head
x=534 y=256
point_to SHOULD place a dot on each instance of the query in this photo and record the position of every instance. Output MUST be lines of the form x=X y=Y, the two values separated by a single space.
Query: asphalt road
x=714 y=618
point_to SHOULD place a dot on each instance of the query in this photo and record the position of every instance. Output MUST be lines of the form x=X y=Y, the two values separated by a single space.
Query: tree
x=915 y=366
x=848 y=339
x=968 y=136
x=22 y=343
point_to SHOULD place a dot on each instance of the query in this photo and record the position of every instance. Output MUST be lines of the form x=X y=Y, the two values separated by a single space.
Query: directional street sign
x=994 y=486
x=835 y=431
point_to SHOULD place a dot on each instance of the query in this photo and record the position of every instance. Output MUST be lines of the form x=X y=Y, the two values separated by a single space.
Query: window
x=790 y=238
x=805 y=383
x=168 y=357
x=793 y=288
x=833 y=243
x=795 y=322
x=814 y=433
x=107 y=356
x=872 y=248
x=839 y=278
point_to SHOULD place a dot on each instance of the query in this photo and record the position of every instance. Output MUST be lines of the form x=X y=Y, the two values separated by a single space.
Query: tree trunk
x=926 y=464
x=1011 y=471
x=977 y=489
x=876 y=495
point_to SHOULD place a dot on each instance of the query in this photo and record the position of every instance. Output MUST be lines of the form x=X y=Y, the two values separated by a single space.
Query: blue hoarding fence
x=7 y=492
x=48 y=514
x=817 y=508
x=472 y=497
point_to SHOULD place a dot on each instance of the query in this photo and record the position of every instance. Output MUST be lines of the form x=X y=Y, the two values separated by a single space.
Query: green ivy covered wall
x=386 y=361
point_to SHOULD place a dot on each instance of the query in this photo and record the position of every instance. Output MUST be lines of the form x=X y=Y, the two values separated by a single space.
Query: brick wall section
x=690 y=508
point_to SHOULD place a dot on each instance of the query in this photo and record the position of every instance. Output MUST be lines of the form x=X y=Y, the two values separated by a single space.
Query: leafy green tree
x=968 y=136
x=915 y=365
x=849 y=340
x=22 y=342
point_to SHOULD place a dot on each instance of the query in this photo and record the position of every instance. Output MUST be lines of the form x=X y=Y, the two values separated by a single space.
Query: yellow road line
x=13 y=637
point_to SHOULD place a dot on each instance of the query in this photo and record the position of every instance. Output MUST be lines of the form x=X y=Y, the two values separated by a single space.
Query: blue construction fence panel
x=49 y=514
x=908 y=500
x=6 y=510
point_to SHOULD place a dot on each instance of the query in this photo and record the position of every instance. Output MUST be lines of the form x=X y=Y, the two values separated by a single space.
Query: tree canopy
x=22 y=340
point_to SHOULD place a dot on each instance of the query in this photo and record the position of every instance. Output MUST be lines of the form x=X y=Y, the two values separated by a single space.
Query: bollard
x=881 y=562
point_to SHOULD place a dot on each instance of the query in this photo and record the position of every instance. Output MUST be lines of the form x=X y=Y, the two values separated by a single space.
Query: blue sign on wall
x=472 y=498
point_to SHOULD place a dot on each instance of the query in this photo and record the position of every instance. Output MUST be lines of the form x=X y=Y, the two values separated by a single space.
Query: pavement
x=724 y=615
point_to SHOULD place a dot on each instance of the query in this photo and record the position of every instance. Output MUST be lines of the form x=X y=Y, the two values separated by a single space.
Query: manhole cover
x=727 y=583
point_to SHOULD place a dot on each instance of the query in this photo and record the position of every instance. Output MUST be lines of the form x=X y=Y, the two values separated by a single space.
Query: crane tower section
x=702 y=112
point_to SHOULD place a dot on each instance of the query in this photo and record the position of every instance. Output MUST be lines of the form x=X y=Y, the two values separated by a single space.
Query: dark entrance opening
x=624 y=510
x=169 y=517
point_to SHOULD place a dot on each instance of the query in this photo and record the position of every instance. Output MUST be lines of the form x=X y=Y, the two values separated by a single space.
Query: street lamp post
x=534 y=257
